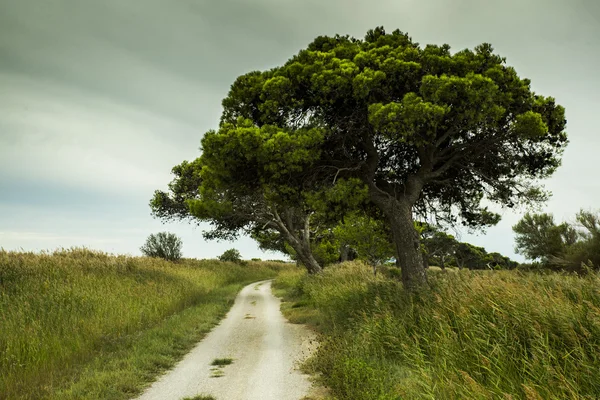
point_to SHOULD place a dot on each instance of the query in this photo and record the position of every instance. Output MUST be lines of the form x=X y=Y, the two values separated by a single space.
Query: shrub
x=231 y=255
x=164 y=245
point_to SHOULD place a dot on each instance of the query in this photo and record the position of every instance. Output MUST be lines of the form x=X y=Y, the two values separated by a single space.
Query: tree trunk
x=299 y=241
x=406 y=240
x=303 y=253
x=309 y=261
x=443 y=266
x=344 y=253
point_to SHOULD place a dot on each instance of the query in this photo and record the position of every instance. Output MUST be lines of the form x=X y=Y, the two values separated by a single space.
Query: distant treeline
x=443 y=250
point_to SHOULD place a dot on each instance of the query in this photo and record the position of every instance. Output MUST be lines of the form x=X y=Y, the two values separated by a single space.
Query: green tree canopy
x=439 y=247
x=231 y=255
x=231 y=208
x=430 y=132
x=538 y=237
x=469 y=256
x=560 y=246
x=367 y=236
x=249 y=180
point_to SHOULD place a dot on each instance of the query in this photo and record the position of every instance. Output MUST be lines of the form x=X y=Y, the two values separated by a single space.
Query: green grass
x=474 y=335
x=216 y=373
x=200 y=397
x=222 y=362
x=80 y=324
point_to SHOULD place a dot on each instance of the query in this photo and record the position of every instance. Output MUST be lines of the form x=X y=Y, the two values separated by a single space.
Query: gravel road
x=265 y=349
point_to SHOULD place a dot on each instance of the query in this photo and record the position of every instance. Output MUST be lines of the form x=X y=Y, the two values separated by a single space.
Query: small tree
x=563 y=246
x=538 y=237
x=231 y=255
x=164 y=245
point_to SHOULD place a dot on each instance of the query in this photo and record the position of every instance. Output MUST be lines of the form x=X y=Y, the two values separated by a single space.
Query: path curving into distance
x=264 y=347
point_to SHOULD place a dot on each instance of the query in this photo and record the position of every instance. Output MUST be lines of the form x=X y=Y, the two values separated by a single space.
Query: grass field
x=79 y=324
x=475 y=335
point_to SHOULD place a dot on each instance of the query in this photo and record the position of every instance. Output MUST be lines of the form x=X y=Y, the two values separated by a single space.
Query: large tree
x=259 y=181
x=467 y=256
x=242 y=183
x=430 y=132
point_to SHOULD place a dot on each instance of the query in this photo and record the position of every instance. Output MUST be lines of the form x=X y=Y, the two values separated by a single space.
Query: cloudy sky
x=99 y=99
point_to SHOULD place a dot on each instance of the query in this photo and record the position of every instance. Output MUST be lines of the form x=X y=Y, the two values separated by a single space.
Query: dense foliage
x=571 y=246
x=164 y=245
x=368 y=237
x=428 y=133
x=231 y=255
x=443 y=250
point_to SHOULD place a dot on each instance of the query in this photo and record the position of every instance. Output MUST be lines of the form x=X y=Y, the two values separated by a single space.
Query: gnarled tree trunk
x=398 y=210
x=301 y=246
x=299 y=240
x=406 y=239
x=307 y=259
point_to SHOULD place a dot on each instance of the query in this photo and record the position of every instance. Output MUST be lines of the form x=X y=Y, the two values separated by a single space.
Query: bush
x=231 y=255
x=164 y=245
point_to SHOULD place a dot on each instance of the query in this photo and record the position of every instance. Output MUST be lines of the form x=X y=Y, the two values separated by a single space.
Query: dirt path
x=264 y=347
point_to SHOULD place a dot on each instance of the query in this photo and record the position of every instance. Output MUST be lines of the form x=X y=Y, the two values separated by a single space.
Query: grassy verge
x=85 y=325
x=475 y=335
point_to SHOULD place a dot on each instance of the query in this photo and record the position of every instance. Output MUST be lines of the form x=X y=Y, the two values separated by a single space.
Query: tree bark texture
x=406 y=240
x=299 y=242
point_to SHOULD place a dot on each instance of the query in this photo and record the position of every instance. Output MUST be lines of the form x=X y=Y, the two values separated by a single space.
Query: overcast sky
x=99 y=99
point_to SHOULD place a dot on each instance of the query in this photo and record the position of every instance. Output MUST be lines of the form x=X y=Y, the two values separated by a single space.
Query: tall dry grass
x=474 y=335
x=58 y=310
